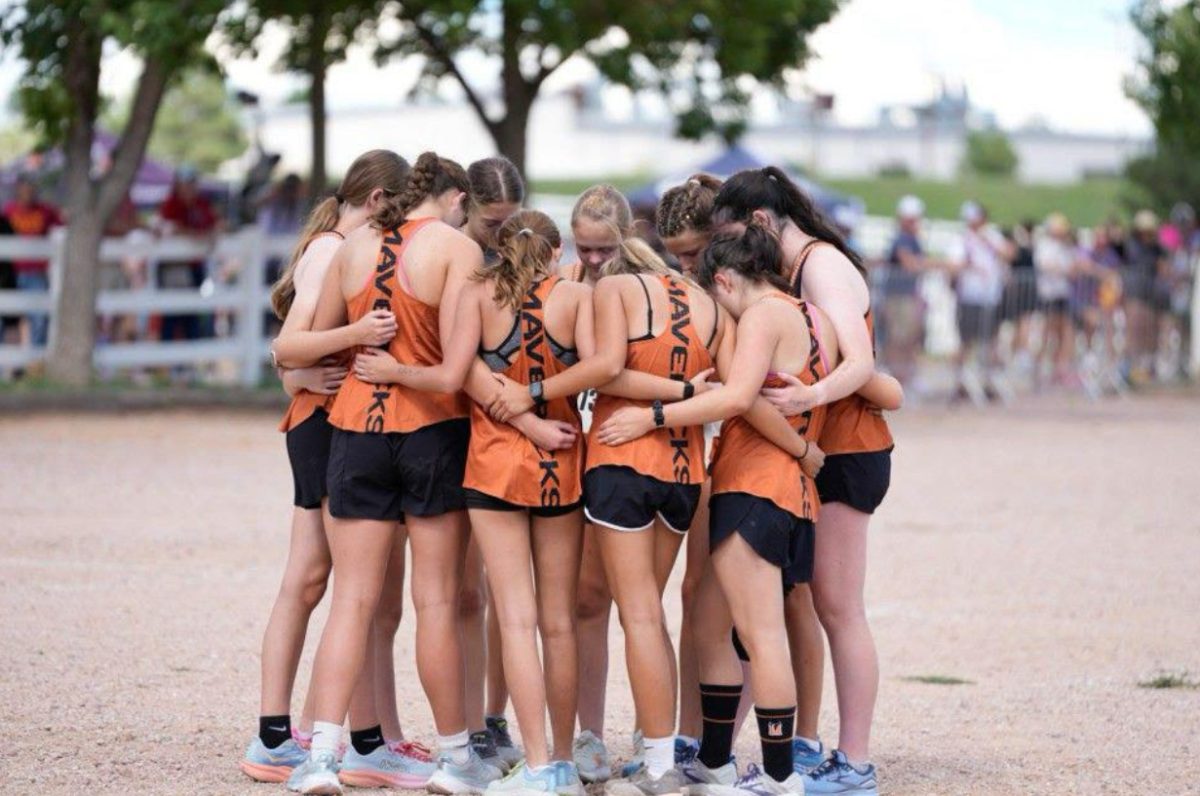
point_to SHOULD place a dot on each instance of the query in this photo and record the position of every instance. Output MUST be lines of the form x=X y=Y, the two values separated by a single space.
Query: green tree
x=703 y=54
x=319 y=32
x=990 y=153
x=1164 y=85
x=61 y=43
x=197 y=123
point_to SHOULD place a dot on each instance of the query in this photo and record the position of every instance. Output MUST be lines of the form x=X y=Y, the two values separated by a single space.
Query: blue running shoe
x=317 y=775
x=591 y=757
x=526 y=781
x=569 y=782
x=806 y=757
x=836 y=775
x=686 y=750
x=272 y=765
x=386 y=767
x=638 y=761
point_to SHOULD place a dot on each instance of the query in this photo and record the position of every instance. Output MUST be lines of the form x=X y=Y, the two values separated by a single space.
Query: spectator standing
x=8 y=281
x=1181 y=238
x=29 y=216
x=980 y=261
x=1146 y=260
x=1020 y=294
x=1055 y=259
x=185 y=212
x=903 y=310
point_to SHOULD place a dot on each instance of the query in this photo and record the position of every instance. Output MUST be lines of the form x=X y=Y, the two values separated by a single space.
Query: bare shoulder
x=573 y=291
x=570 y=271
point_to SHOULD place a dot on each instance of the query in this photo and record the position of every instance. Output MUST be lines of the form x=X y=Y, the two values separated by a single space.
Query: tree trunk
x=511 y=137
x=70 y=361
x=317 y=66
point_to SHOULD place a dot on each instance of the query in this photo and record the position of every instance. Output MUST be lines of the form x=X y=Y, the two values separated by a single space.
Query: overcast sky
x=1059 y=61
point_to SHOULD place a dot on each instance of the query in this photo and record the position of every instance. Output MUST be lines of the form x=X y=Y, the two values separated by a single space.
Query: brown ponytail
x=526 y=244
x=378 y=168
x=754 y=254
x=687 y=207
x=431 y=176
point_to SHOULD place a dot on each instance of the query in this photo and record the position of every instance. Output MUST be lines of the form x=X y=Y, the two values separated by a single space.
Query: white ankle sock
x=455 y=747
x=660 y=755
x=326 y=737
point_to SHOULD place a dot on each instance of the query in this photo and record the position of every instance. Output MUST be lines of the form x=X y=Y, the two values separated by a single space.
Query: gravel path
x=1049 y=554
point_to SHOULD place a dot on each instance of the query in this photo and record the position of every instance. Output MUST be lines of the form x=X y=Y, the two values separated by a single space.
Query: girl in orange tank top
x=396 y=456
x=370 y=180
x=763 y=498
x=850 y=485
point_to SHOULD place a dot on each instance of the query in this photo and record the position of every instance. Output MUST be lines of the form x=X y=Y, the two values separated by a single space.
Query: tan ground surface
x=1049 y=553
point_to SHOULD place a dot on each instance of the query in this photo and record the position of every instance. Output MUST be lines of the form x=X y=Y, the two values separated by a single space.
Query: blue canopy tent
x=734 y=159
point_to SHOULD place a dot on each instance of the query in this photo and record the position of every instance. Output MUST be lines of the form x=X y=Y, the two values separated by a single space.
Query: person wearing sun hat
x=1145 y=260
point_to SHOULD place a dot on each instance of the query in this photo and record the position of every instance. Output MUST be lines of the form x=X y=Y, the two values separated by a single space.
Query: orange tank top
x=674 y=455
x=853 y=424
x=744 y=461
x=385 y=408
x=304 y=403
x=503 y=462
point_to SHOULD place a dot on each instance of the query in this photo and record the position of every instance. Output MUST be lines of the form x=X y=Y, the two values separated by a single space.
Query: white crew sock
x=455 y=748
x=660 y=755
x=326 y=737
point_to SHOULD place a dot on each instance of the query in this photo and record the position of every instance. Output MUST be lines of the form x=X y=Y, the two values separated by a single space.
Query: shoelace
x=828 y=768
x=752 y=773
x=413 y=749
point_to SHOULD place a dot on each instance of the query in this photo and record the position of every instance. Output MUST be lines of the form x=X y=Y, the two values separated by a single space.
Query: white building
x=571 y=135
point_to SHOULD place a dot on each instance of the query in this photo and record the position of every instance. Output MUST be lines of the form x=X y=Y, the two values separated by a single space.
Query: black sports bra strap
x=649 y=307
x=716 y=321
x=798 y=276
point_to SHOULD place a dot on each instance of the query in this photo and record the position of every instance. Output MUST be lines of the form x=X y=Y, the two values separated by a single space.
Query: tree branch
x=438 y=49
x=131 y=148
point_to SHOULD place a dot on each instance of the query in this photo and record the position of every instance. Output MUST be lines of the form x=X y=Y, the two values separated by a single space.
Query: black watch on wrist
x=535 y=392
x=659 y=419
x=689 y=390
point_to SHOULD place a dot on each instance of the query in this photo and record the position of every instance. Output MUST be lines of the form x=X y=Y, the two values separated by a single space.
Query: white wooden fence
x=244 y=297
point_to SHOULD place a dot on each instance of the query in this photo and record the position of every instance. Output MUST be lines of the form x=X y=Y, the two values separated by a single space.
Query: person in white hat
x=980 y=262
x=1056 y=259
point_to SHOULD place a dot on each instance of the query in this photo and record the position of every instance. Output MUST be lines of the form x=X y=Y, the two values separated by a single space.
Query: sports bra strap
x=797 y=276
x=649 y=307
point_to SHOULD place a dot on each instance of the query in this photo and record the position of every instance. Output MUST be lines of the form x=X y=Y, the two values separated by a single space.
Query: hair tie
x=525 y=232
x=339 y=197
x=693 y=182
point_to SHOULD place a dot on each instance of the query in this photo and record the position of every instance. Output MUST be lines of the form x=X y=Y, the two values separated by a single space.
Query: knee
x=556 y=626
x=471 y=602
x=764 y=642
x=594 y=603
x=836 y=613
x=388 y=616
x=434 y=597
x=307 y=587
x=518 y=622
x=643 y=617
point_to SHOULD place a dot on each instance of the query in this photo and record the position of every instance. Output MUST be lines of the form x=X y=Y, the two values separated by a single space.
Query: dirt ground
x=1048 y=553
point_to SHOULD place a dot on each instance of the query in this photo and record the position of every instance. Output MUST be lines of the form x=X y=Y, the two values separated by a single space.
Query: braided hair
x=687 y=207
x=430 y=176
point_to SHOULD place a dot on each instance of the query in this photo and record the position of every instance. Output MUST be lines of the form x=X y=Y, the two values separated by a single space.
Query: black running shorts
x=482 y=500
x=308 y=453
x=625 y=500
x=860 y=480
x=386 y=476
x=779 y=537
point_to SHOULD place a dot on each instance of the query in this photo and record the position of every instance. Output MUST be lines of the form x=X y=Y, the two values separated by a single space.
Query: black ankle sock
x=274 y=730
x=718 y=704
x=368 y=740
x=775 y=729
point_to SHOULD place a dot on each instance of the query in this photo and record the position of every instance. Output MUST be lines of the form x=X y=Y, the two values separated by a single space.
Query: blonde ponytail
x=526 y=243
x=323 y=218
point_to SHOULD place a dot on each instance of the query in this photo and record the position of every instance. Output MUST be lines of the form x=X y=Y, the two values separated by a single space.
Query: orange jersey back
x=854 y=424
x=503 y=462
x=744 y=461
x=674 y=455
x=384 y=408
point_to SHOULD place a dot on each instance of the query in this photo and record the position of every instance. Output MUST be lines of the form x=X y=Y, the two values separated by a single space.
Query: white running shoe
x=759 y=783
x=472 y=776
x=317 y=774
x=699 y=778
x=642 y=784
